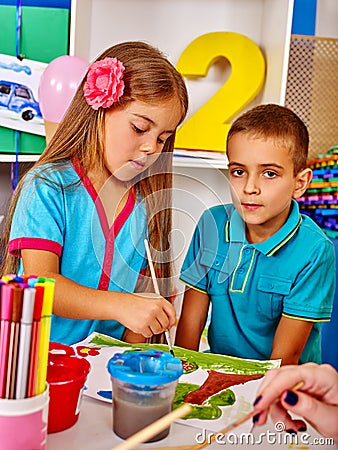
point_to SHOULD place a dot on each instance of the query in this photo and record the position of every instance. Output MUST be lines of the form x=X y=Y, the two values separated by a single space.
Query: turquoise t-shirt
x=252 y=285
x=65 y=216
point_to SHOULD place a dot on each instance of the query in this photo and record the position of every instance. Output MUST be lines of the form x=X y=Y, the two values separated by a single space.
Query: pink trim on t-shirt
x=109 y=234
x=16 y=245
x=94 y=195
x=114 y=231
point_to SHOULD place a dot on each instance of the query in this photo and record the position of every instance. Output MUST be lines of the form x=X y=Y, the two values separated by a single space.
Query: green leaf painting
x=210 y=409
x=203 y=360
x=220 y=388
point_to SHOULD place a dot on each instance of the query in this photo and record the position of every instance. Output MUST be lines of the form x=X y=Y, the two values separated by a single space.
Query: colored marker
x=32 y=280
x=25 y=342
x=17 y=279
x=9 y=277
x=14 y=341
x=35 y=337
x=44 y=335
x=5 y=314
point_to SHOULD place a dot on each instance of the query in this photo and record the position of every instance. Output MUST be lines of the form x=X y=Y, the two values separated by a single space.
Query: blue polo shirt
x=60 y=211
x=252 y=285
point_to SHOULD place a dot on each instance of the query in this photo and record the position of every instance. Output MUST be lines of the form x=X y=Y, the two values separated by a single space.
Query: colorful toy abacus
x=320 y=201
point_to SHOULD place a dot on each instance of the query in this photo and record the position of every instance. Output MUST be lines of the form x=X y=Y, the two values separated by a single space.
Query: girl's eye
x=138 y=130
x=237 y=172
x=270 y=174
x=161 y=141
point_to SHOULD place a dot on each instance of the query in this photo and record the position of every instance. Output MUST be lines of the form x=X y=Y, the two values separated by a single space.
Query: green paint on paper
x=204 y=412
x=206 y=361
x=182 y=390
x=210 y=409
x=223 y=398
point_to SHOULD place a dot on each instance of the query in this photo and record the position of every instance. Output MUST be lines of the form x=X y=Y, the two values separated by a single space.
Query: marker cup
x=66 y=376
x=144 y=384
x=23 y=422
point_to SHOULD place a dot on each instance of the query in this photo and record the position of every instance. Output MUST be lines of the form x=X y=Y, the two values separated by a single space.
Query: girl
x=102 y=185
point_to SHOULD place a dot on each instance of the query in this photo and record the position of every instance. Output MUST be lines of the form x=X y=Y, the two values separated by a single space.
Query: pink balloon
x=58 y=84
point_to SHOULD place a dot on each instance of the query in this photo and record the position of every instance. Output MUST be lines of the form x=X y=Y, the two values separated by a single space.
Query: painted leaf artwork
x=220 y=388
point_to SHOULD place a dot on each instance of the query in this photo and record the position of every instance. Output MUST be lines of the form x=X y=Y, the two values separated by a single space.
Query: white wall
x=172 y=24
x=327 y=19
x=194 y=191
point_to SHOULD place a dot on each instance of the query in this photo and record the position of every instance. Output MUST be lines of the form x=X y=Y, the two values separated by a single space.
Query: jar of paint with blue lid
x=143 y=385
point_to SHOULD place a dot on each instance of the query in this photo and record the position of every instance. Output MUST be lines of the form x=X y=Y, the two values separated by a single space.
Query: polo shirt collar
x=235 y=230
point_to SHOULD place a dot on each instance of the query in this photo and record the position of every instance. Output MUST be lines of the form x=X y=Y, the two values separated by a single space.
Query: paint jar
x=23 y=422
x=143 y=384
x=66 y=376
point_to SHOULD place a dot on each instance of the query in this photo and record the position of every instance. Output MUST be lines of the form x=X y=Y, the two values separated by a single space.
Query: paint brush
x=157 y=291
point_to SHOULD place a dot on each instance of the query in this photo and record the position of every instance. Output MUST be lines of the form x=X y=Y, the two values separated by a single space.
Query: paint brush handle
x=157 y=291
x=151 y=267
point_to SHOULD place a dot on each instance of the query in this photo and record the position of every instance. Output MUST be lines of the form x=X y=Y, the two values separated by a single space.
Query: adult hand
x=316 y=400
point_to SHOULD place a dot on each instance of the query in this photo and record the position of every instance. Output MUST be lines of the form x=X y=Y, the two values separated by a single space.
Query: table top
x=93 y=431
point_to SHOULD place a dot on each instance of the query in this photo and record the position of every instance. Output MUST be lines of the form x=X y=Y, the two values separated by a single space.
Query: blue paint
x=304 y=17
x=105 y=394
x=16 y=67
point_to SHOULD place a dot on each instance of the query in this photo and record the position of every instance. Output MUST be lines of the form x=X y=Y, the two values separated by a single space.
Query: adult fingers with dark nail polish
x=316 y=400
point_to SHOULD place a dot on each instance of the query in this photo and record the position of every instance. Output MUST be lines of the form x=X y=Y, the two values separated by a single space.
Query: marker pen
x=24 y=343
x=14 y=340
x=35 y=337
x=6 y=315
x=45 y=334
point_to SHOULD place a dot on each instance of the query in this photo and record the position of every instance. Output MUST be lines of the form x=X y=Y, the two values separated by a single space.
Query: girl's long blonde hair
x=148 y=77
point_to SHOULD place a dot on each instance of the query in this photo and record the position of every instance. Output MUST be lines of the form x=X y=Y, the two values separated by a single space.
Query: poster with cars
x=19 y=103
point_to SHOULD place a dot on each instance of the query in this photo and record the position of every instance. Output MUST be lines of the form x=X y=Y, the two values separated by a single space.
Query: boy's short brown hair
x=278 y=123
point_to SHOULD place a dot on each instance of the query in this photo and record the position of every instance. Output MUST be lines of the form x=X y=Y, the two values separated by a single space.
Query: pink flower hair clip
x=104 y=85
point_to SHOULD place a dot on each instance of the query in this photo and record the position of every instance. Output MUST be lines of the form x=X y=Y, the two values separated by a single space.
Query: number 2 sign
x=208 y=127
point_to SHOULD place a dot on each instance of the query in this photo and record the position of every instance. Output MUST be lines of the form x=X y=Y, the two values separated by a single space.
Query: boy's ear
x=302 y=182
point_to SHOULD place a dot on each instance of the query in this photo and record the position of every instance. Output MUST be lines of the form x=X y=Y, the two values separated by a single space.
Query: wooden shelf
x=8 y=158
x=179 y=161
x=202 y=163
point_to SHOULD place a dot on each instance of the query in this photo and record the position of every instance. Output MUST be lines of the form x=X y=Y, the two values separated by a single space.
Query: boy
x=267 y=270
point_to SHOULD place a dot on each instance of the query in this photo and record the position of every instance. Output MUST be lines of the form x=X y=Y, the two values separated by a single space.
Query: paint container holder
x=66 y=376
x=143 y=384
x=23 y=422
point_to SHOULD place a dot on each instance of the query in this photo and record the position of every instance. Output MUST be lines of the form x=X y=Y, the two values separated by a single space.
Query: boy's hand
x=290 y=338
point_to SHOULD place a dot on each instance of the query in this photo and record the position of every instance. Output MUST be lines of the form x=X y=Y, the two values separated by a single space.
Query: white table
x=93 y=431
